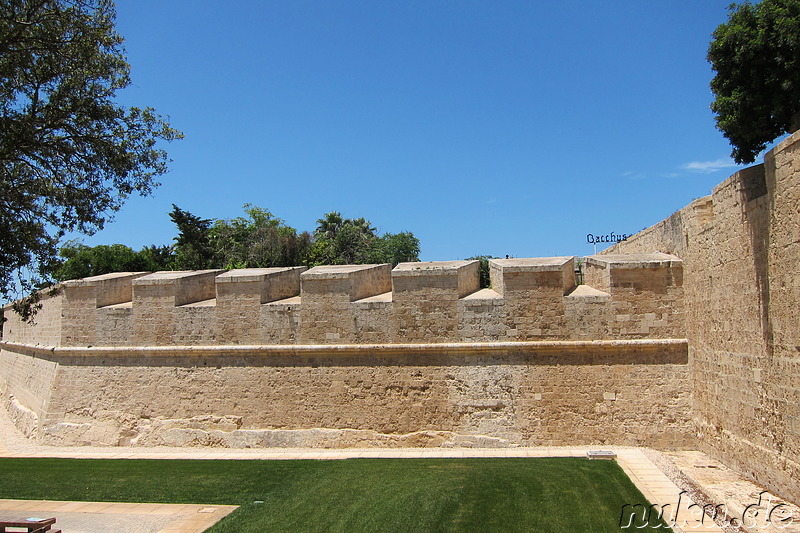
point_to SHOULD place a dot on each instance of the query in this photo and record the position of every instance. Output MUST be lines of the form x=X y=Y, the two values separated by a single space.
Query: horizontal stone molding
x=675 y=350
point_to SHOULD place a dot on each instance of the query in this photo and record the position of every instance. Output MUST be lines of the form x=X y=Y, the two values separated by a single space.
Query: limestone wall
x=740 y=247
x=46 y=328
x=546 y=393
x=26 y=385
x=356 y=355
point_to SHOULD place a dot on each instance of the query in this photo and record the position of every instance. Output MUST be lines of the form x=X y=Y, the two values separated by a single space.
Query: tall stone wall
x=741 y=247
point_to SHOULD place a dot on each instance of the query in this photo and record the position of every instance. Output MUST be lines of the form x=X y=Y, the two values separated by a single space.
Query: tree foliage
x=256 y=240
x=69 y=155
x=193 y=249
x=81 y=261
x=756 y=57
x=343 y=241
x=259 y=240
x=340 y=241
x=392 y=248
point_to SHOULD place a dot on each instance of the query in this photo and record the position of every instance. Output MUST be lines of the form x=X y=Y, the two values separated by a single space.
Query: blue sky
x=482 y=127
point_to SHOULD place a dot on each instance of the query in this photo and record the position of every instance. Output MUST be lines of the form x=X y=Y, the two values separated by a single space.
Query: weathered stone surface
x=438 y=301
x=174 y=308
x=425 y=298
x=243 y=295
x=328 y=314
x=533 y=290
x=740 y=247
x=503 y=394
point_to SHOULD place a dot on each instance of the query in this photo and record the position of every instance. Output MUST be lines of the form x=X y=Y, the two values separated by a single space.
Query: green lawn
x=554 y=495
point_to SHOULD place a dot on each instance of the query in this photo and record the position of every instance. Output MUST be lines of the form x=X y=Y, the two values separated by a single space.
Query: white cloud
x=634 y=175
x=707 y=167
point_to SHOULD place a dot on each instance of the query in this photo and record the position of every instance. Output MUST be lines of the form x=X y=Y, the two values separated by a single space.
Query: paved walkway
x=655 y=475
x=102 y=517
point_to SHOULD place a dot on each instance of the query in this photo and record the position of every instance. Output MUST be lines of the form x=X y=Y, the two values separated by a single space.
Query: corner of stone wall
x=174 y=307
x=646 y=293
x=242 y=313
x=425 y=297
x=328 y=314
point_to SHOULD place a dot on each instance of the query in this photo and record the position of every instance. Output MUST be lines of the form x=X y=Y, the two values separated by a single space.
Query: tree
x=81 y=261
x=341 y=241
x=346 y=241
x=260 y=240
x=69 y=155
x=393 y=248
x=756 y=57
x=193 y=249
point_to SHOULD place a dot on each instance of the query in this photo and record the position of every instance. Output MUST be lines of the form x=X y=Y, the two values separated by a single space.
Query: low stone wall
x=481 y=394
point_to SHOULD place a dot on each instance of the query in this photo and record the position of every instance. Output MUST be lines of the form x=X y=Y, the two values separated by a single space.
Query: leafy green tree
x=192 y=249
x=257 y=241
x=345 y=241
x=153 y=258
x=81 y=261
x=756 y=57
x=392 y=248
x=341 y=241
x=69 y=155
x=329 y=225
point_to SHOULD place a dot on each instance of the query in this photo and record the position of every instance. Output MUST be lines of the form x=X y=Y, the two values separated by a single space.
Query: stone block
x=646 y=291
x=526 y=274
x=241 y=293
x=458 y=278
x=533 y=290
x=352 y=282
x=165 y=306
x=84 y=299
x=426 y=299
x=262 y=284
x=328 y=314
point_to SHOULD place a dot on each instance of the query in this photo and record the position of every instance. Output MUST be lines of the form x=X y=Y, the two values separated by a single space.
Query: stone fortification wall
x=555 y=393
x=740 y=248
x=636 y=297
x=359 y=355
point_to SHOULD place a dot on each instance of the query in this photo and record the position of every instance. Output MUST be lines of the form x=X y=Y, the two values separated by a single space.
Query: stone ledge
x=534 y=264
x=253 y=274
x=460 y=348
x=169 y=277
x=429 y=268
x=653 y=260
x=336 y=271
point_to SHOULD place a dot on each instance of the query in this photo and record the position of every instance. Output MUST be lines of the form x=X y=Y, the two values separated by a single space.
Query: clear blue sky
x=491 y=127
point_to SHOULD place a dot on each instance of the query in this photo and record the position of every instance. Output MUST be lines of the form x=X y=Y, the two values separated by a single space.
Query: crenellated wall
x=358 y=355
x=635 y=297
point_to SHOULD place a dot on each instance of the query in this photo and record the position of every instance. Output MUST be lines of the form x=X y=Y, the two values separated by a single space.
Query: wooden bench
x=26 y=525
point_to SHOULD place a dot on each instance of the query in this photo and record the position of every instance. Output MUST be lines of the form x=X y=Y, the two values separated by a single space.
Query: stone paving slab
x=674 y=505
x=748 y=503
x=104 y=517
